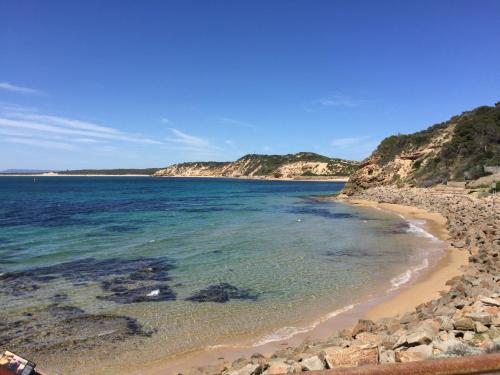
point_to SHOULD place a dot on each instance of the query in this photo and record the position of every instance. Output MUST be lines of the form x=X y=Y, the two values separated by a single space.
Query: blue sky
x=95 y=84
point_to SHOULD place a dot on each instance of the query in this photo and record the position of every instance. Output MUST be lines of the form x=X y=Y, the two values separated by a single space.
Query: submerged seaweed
x=68 y=328
x=136 y=277
x=222 y=293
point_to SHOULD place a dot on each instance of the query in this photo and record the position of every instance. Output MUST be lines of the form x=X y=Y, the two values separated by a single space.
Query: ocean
x=186 y=263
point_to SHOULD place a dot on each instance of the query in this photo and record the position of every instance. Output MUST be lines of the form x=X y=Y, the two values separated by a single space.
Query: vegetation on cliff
x=455 y=150
x=277 y=166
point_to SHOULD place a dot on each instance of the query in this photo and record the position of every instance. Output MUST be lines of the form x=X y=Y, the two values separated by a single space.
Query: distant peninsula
x=300 y=166
x=303 y=165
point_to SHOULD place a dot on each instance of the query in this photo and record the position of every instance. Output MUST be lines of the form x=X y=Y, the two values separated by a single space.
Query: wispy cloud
x=234 y=122
x=41 y=143
x=344 y=142
x=165 y=120
x=334 y=101
x=19 y=89
x=339 y=101
x=60 y=132
x=57 y=125
x=193 y=147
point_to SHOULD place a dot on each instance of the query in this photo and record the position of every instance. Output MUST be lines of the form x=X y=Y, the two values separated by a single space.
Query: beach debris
x=154 y=293
x=222 y=293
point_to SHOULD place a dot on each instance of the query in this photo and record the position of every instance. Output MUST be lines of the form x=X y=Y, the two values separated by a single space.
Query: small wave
x=412 y=228
x=286 y=333
x=406 y=276
x=421 y=266
x=399 y=280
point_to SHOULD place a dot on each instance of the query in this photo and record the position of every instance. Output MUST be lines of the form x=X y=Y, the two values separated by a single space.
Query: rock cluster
x=463 y=321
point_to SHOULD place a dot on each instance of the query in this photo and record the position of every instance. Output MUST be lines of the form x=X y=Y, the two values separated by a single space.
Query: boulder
x=416 y=353
x=468 y=336
x=464 y=324
x=368 y=338
x=362 y=326
x=445 y=323
x=490 y=301
x=313 y=363
x=480 y=327
x=423 y=334
x=386 y=356
x=280 y=367
x=349 y=357
x=447 y=345
x=481 y=317
x=250 y=369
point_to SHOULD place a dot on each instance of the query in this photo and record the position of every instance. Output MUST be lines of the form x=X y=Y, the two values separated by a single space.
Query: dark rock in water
x=349 y=253
x=319 y=211
x=222 y=293
x=67 y=328
x=121 y=228
x=17 y=284
x=142 y=271
x=400 y=228
x=147 y=284
x=153 y=293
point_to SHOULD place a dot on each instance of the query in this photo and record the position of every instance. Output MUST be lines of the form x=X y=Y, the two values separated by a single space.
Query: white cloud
x=343 y=142
x=56 y=120
x=69 y=127
x=19 y=89
x=233 y=122
x=41 y=143
x=339 y=101
x=165 y=120
x=189 y=140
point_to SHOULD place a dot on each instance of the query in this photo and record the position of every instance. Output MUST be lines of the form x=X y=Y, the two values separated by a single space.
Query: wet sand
x=432 y=282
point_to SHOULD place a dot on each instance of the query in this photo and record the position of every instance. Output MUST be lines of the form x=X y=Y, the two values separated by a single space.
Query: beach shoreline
x=431 y=283
x=421 y=288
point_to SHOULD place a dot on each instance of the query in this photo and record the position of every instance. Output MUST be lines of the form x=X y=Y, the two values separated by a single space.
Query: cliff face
x=455 y=150
x=273 y=166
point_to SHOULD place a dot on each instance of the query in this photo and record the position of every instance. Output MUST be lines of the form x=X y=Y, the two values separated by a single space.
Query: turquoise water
x=226 y=260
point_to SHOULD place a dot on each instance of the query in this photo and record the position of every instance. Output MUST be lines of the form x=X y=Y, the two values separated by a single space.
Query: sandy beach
x=431 y=283
x=423 y=288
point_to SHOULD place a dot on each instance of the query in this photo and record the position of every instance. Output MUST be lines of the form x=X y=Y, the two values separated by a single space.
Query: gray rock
x=312 y=364
x=468 y=336
x=416 y=353
x=481 y=317
x=250 y=369
x=490 y=301
x=386 y=356
x=362 y=326
x=447 y=345
x=480 y=327
x=419 y=338
x=464 y=324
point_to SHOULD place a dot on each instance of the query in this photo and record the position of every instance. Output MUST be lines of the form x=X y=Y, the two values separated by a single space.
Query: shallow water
x=196 y=262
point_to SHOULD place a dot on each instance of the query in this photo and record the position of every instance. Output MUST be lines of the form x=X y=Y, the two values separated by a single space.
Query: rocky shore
x=463 y=321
